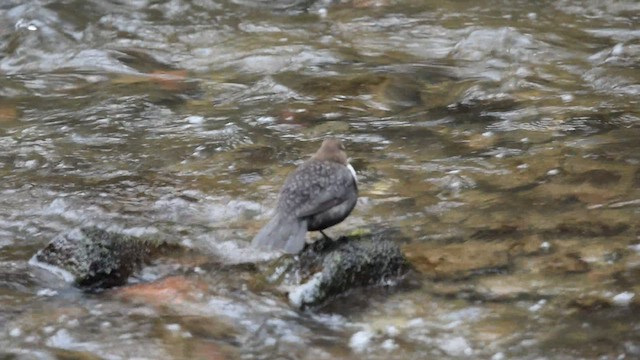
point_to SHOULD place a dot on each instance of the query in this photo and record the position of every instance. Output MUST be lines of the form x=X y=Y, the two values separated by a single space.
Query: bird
x=319 y=193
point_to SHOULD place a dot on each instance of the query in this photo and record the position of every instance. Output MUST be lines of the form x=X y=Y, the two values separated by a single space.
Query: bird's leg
x=325 y=235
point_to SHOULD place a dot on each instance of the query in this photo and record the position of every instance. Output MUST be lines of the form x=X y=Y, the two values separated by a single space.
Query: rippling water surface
x=499 y=138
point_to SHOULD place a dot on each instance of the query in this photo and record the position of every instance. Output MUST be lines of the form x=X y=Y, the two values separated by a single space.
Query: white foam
x=456 y=317
x=456 y=346
x=228 y=307
x=624 y=298
x=291 y=338
x=392 y=331
x=305 y=292
x=537 y=306
x=232 y=253
x=333 y=321
x=173 y=327
x=46 y=292
x=635 y=247
x=417 y=322
x=57 y=207
x=566 y=98
x=389 y=345
x=61 y=339
x=195 y=119
x=139 y=231
x=266 y=120
x=59 y=272
x=361 y=340
x=617 y=50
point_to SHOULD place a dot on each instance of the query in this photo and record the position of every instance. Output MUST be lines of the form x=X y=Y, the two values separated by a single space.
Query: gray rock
x=328 y=269
x=93 y=259
x=96 y=258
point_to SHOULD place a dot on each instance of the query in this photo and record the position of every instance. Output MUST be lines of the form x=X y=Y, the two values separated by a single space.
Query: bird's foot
x=325 y=236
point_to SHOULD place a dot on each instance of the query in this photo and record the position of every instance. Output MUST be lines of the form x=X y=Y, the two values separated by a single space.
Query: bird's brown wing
x=317 y=208
x=317 y=194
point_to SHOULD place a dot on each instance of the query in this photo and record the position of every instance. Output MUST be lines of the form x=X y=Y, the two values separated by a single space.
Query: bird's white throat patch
x=353 y=172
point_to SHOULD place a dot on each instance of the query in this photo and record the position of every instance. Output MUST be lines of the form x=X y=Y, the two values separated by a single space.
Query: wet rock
x=94 y=258
x=327 y=269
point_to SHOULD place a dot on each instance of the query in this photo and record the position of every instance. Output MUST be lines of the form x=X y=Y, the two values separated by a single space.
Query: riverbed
x=495 y=141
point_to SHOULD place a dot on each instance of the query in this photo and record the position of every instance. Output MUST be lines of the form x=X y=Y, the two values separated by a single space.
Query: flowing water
x=498 y=139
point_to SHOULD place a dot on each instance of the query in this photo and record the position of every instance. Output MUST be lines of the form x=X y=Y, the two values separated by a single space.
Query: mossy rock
x=96 y=258
x=327 y=269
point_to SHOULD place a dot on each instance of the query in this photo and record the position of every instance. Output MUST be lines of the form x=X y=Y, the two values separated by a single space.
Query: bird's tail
x=282 y=233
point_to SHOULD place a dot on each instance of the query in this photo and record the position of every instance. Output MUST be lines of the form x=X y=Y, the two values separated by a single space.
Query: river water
x=498 y=141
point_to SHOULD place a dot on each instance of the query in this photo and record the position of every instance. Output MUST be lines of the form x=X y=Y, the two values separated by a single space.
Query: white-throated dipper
x=320 y=193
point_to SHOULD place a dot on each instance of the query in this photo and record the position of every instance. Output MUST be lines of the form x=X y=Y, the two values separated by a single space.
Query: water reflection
x=498 y=140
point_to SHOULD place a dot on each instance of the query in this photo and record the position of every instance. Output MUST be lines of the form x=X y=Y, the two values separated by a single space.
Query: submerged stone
x=94 y=258
x=458 y=261
x=327 y=269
